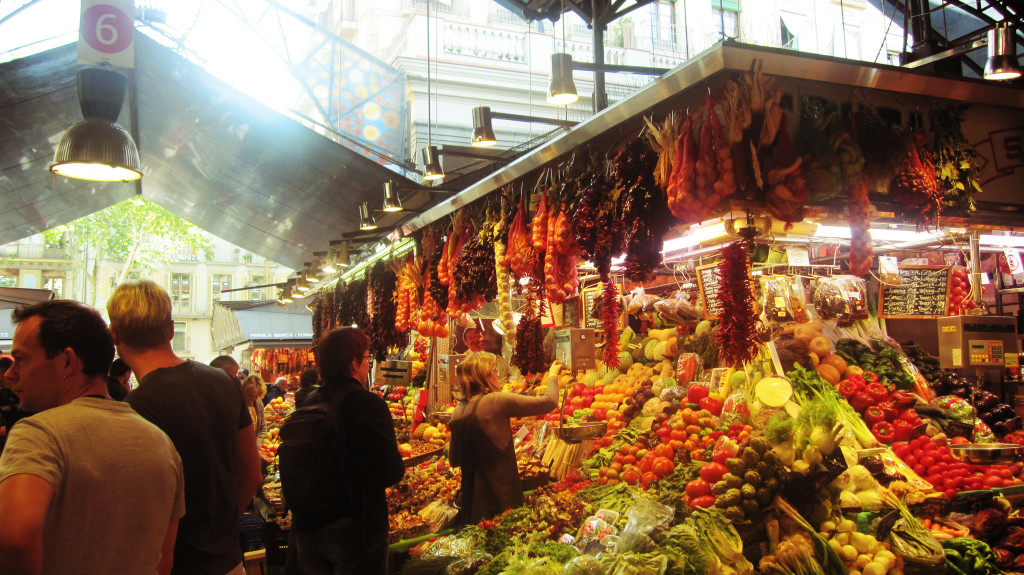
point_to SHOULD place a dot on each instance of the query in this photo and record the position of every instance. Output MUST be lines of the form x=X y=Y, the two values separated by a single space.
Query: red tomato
x=631 y=476
x=712 y=472
x=647 y=478
x=698 y=488
x=664 y=450
x=927 y=461
x=991 y=481
x=664 y=467
x=702 y=501
x=629 y=459
x=624 y=449
x=645 y=464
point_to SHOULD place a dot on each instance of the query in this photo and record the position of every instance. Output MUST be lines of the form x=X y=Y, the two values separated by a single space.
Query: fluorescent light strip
x=398 y=249
x=1002 y=241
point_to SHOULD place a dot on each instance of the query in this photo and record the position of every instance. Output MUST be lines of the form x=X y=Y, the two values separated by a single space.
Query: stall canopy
x=261 y=323
x=210 y=154
x=10 y=298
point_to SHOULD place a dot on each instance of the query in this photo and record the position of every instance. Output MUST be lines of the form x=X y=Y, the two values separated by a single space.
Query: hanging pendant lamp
x=432 y=170
x=1002 y=54
x=391 y=201
x=483 y=133
x=97 y=148
x=562 y=89
x=366 y=221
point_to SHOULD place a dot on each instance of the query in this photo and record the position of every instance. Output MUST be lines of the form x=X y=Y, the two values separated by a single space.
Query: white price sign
x=798 y=257
x=107 y=33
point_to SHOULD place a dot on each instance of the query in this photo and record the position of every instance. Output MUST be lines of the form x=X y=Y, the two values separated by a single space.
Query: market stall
x=276 y=340
x=764 y=275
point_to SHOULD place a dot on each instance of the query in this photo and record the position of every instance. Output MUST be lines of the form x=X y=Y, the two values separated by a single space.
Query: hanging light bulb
x=366 y=218
x=286 y=295
x=327 y=265
x=432 y=164
x=562 y=89
x=1002 y=54
x=431 y=160
x=391 y=201
x=342 y=259
x=301 y=285
x=97 y=148
x=483 y=133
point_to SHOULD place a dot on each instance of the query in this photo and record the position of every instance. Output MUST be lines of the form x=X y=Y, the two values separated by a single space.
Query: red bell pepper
x=847 y=389
x=861 y=401
x=891 y=413
x=884 y=432
x=910 y=416
x=873 y=415
x=877 y=391
x=858 y=381
x=903 y=430
x=902 y=400
x=870 y=377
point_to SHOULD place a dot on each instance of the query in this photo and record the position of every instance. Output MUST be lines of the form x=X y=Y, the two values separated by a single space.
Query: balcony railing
x=466 y=40
x=35 y=252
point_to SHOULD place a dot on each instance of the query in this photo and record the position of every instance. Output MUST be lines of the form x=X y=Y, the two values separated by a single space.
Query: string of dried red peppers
x=736 y=335
x=610 y=309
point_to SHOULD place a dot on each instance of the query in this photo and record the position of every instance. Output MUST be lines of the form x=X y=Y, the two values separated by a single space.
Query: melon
x=773 y=391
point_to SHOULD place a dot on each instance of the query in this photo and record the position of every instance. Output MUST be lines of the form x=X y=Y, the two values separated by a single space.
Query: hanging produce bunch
x=885 y=143
x=645 y=213
x=383 y=332
x=474 y=273
x=832 y=159
x=529 y=349
x=915 y=188
x=737 y=333
x=520 y=255
x=787 y=192
x=859 y=211
x=955 y=159
x=353 y=309
x=502 y=281
x=753 y=117
x=410 y=281
x=598 y=229
x=560 y=252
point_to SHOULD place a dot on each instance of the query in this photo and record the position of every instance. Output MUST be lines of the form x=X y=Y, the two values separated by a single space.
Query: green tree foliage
x=136 y=232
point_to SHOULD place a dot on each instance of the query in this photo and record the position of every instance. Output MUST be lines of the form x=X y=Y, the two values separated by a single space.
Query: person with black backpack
x=338 y=454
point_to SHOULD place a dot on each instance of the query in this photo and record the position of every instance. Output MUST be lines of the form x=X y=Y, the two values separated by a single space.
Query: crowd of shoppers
x=98 y=477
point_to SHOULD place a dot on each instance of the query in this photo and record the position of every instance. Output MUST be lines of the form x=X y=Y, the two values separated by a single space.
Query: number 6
x=103 y=29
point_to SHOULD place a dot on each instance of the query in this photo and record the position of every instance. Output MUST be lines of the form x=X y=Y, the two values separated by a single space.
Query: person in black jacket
x=308 y=382
x=356 y=541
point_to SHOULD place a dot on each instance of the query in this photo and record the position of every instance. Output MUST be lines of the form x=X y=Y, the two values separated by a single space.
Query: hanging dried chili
x=644 y=211
x=915 y=188
x=736 y=335
x=383 y=333
x=610 y=309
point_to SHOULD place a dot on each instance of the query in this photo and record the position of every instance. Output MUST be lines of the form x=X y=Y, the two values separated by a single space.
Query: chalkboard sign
x=923 y=293
x=588 y=300
x=708 y=284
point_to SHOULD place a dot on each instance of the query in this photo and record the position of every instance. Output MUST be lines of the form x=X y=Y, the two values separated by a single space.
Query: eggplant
x=985 y=401
x=989 y=418
x=1003 y=412
x=961 y=391
x=998 y=428
x=940 y=387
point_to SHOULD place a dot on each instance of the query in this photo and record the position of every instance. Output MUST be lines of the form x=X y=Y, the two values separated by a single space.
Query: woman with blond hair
x=481 y=437
x=253 y=391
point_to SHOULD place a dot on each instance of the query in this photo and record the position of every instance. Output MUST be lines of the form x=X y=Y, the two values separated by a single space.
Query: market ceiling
x=210 y=154
x=935 y=26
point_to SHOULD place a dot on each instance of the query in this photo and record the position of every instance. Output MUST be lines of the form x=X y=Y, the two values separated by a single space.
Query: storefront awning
x=10 y=298
x=261 y=323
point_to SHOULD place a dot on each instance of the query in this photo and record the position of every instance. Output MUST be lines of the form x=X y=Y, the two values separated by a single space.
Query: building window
x=664 y=25
x=180 y=340
x=726 y=22
x=846 y=41
x=789 y=26
x=220 y=283
x=181 y=288
x=257 y=294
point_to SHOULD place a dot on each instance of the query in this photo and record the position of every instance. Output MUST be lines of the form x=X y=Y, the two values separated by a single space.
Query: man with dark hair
x=9 y=411
x=202 y=410
x=117 y=380
x=307 y=385
x=227 y=364
x=61 y=511
x=350 y=535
